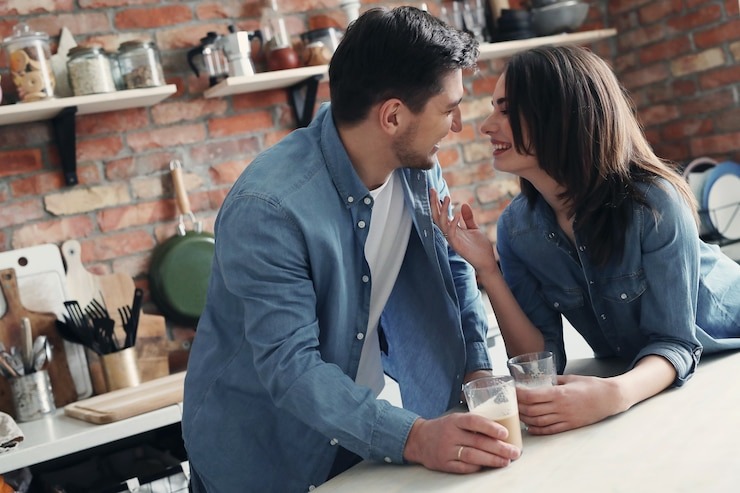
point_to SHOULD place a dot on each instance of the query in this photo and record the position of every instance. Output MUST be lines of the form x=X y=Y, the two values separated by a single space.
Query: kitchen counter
x=683 y=439
x=58 y=435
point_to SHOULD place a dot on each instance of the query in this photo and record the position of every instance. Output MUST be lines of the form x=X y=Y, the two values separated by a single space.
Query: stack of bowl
x=514 y=24
x=557 y=16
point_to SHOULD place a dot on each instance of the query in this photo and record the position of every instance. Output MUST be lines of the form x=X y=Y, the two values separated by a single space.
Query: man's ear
x=391 y=116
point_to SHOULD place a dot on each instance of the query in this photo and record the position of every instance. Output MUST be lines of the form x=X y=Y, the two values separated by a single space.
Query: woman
x=603 y=233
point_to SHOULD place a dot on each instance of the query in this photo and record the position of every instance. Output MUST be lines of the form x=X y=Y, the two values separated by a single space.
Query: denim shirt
x=671 y=294
x=270 y=390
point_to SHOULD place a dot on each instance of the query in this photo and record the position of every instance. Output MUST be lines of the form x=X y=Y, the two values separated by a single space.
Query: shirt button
x=603 y=316
x=361 y=224
x=311 y=488
x=590 y=282
x=623 y=296
x=360 y=336
x=556 y=304
x=350 y=199
x=333 y=441
x=367 y=200
x=365 y=278
x=582 y=248
x=425 y=233
x=388 y=460
x=551 y=235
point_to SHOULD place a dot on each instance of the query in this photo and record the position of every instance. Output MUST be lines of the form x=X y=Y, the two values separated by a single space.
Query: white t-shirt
x=387 y=239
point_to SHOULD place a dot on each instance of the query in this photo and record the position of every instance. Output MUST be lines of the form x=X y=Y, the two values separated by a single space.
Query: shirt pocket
x=625 y=288
x=563 y=299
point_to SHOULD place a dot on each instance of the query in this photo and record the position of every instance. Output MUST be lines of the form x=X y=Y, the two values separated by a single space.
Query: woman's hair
x=582 y=129
x=402 y=53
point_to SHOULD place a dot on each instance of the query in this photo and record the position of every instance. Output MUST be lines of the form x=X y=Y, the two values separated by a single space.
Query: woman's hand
x=463 y=234
x=575 y=402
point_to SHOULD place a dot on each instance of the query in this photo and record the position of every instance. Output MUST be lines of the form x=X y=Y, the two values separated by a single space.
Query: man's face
x=416 y=146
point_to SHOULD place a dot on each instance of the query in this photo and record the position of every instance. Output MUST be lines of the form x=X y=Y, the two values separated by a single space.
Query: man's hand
x=459 y=443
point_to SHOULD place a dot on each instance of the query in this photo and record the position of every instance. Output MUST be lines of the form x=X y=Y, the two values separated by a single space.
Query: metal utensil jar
x=90 y=71
x=140 y=65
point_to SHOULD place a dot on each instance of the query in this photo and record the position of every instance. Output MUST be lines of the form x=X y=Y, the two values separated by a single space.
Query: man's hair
x=583 y=131
x=401 y=53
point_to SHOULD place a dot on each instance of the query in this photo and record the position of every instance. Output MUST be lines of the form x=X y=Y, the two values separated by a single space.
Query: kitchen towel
x=10 y=434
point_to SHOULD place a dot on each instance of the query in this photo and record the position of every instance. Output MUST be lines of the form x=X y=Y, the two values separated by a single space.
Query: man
x=329 y=272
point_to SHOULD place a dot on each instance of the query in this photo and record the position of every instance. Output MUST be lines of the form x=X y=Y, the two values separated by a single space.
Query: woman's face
x=498 y=129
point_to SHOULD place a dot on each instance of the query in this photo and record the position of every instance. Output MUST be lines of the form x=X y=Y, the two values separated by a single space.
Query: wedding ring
x=459 y=452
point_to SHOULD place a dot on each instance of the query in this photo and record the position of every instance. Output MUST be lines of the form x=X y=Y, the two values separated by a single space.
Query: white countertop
x=683 y=440
x=58 y=435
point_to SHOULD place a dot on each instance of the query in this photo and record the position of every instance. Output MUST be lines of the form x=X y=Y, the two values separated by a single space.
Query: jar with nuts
x=139 y=64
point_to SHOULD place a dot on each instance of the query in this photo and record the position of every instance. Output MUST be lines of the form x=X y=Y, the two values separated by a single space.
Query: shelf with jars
x=88 y=104
x=100 y=82
x=300 y=81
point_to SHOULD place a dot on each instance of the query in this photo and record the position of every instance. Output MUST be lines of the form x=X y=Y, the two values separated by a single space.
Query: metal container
x=140 y=65
x=30 y=63
x=121 y=369
x=32 y=396
x=90 y=71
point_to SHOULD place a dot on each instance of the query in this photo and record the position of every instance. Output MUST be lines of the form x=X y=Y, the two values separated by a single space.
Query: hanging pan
x=180 y=267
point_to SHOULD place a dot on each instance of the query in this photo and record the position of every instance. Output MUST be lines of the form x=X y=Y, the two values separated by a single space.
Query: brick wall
x=678 y=58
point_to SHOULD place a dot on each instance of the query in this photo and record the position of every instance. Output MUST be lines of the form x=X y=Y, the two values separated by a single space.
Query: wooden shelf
x=93 y=103
x=489 y=51
x=288 y=78
x=265 y=81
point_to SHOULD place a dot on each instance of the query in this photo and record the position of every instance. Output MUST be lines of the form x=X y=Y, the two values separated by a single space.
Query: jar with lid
x=139 y=64
x=89 y=71
x=30 y=63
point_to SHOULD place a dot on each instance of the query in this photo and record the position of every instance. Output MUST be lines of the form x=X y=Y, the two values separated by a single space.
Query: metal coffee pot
x=208 y=57
x=237 y=46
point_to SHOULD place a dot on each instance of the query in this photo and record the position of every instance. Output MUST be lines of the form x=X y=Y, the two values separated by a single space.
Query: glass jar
x=139 y=64
x=89 y=71
x=30 y=63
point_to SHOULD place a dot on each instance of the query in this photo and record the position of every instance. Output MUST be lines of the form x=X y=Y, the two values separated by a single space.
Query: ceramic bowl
x=561 y=17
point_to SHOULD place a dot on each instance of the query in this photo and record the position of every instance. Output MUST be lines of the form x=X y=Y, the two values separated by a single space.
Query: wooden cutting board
x=132 y=401
x=39 y=271
x=62 y=384
x=115 y=291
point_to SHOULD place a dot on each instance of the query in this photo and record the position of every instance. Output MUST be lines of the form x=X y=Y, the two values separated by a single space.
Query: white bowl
x=561 y=17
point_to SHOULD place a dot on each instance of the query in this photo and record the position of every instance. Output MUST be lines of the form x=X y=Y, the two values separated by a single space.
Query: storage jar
x=139 y=64
x=30 y=63
x=90 y=71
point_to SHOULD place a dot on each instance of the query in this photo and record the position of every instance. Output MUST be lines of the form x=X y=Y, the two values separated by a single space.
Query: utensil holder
x=32 y=396
x=120 y=369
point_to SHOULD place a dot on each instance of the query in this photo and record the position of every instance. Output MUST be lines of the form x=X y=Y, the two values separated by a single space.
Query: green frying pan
x=181 y=266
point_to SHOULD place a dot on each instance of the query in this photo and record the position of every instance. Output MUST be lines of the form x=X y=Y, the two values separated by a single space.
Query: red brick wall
x=678 y=59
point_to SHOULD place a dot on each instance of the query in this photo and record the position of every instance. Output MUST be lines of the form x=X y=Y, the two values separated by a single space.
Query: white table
x=683 y=440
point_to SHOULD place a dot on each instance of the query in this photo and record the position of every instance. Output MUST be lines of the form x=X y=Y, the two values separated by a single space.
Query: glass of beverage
x=532 y=370
x=495 y=398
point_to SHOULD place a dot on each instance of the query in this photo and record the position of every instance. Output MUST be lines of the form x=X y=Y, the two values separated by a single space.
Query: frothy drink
x=492 y=410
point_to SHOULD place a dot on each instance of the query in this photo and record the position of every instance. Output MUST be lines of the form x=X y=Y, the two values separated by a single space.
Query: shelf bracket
x=302 y=99
x=66 y=140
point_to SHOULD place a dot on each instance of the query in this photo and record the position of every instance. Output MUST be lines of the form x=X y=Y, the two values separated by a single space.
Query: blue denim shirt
x=270 y=389
x=671 y=294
